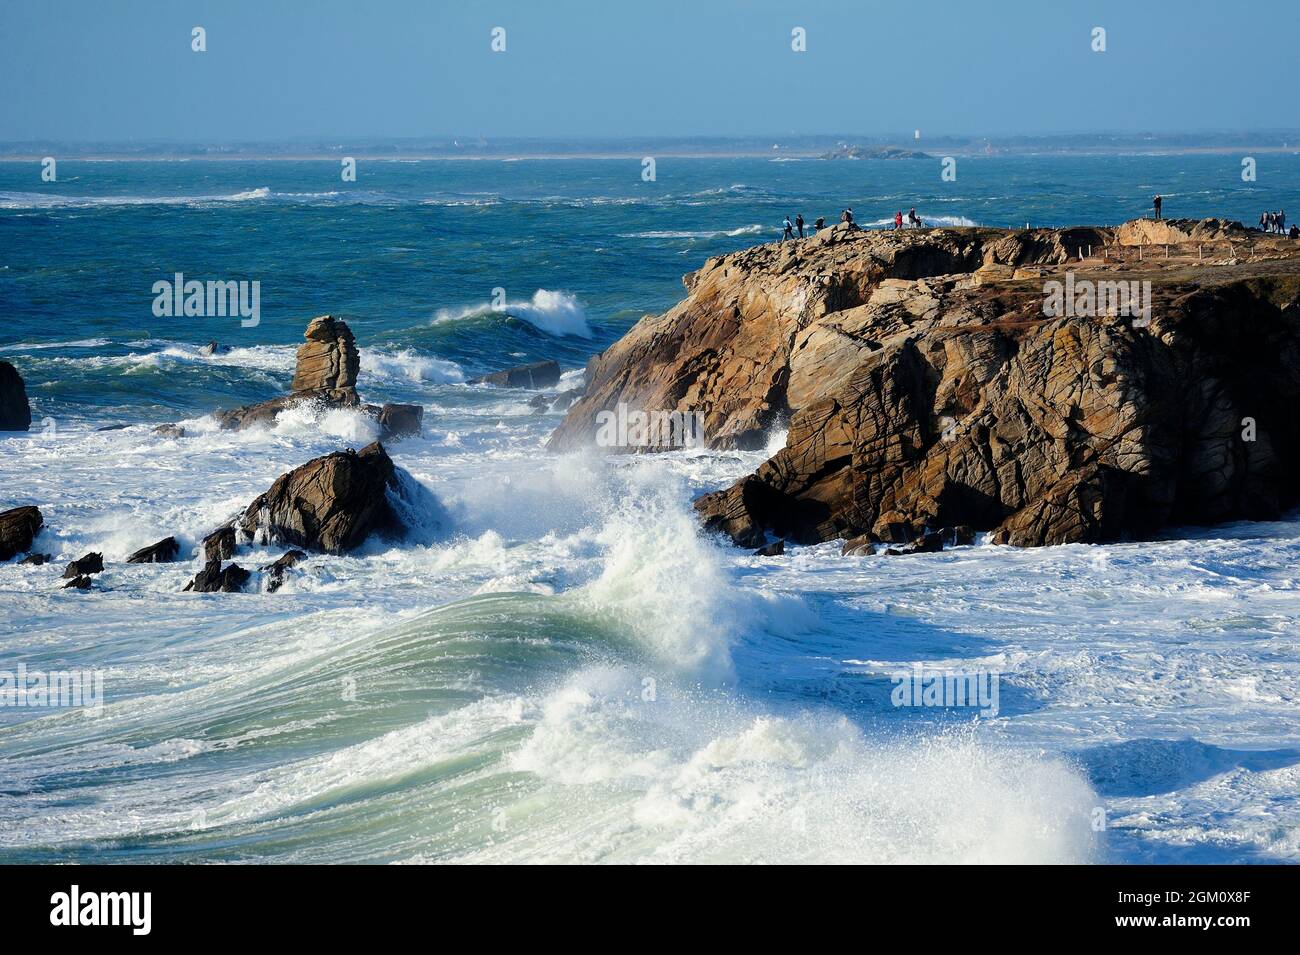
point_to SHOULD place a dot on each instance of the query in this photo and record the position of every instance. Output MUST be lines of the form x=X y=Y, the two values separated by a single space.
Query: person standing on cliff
x=1156 y=202
x=819 y=224
x=1281 y=221
x=789 y=230
x=898 y=219
x=798 y=223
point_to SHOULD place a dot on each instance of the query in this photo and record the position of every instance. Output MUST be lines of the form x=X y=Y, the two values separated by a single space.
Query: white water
x=564 y=669
x=555 y=313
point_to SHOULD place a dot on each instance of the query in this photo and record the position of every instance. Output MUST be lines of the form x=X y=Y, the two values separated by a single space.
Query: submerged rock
x=78 y=582
x=539 y=374
x=36 y=560
x=15 y=412
x=162 y=552
x=169 y=431
x=916 y=397
x=275 y=571
x=18 y=527
x=398 y=421
x=774 y=549
x=331 y=503
x=213 y=579
x=92 y=563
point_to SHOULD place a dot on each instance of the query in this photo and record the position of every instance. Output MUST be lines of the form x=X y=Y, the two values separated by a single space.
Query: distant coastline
x=799 y=147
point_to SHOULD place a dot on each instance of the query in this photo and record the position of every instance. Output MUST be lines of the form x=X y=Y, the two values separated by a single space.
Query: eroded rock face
x=15 y=412
x=328 y=361
x=919 y=400
x=214 y=579
x=18 y=526
x=331 y=503
x=326 y=373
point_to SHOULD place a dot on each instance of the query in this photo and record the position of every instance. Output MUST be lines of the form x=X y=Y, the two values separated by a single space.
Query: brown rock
x=328 y=361
x=331 y=503
x=78 y=582
x=220 y=544
x=858 y=547
x=15 y=412
x=918 y=399
x=18 y=526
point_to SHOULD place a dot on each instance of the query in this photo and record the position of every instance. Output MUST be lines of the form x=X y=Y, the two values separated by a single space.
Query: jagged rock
x=400 y=421
x=917 y=399
x=213 y=348
x=275 y=571
x=774 y=549
x=162 y=552
x=326 y=373
x=220 y=544
x=78 y=582
x=540 y=374
x=18 y=526
x=36 y=560
x=92 y=563
x=169 y=431
x=930 y=543
x=331 y=503
x=15 y=412
x=213 y=579
x=861 y=546
x=329 y=361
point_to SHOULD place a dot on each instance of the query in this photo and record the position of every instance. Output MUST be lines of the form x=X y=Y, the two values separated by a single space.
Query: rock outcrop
x=220 y=544
x=325 y=374
x=15 y=412
x=162 y=552
x=276 y=570
x=920 y=394
x=18 y=527
x=92 y=563
x=331 y=503
x=214 y=579
x=539 y=374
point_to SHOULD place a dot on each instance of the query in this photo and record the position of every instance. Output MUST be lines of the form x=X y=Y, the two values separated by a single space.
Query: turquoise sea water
x=557 y=666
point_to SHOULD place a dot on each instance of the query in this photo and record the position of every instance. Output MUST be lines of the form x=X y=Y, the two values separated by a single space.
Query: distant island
x=845 y=151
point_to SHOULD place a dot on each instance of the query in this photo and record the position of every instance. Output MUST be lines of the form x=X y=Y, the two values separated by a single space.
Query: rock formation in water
x=326 y=374
x=161 y=552
x=18 y=527
x=924 y=386
x=539 y=374
x=15 y=412
x=331 y=503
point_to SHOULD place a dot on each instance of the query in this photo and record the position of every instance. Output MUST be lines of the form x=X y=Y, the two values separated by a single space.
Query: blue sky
x=117 y=70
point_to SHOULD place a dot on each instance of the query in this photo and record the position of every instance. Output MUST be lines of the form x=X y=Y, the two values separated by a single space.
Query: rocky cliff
x=924 y=386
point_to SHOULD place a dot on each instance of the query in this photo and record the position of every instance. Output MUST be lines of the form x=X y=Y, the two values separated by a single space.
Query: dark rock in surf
x=539 y=374
x=162 y=552
x=275 y=571
x=18 y=526
x=15 y=412
x=79 y=582
x=399 y=421
x=36 y=560
x=220 y=544
x=213 y=579
x=92 y=563
x=331 y=503
x=169 y=431
x=774 y=549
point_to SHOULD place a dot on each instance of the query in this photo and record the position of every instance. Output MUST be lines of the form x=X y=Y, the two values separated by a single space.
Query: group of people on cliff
x=791 y=227
x=1274 y=222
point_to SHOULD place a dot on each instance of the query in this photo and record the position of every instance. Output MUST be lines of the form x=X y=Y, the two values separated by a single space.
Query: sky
x=279 y=71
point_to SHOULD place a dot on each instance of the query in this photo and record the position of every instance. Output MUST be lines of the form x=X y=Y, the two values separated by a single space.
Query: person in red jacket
x=898 y=220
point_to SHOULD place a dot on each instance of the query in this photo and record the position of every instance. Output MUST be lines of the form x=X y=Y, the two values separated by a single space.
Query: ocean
x=556 y=665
